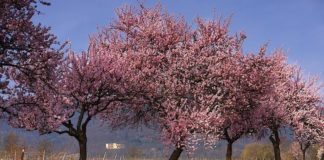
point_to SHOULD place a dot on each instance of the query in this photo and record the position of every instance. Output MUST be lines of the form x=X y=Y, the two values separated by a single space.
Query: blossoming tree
x=28 y=50
x=307 y=122
x=181 y=92
x=289 y=97
x=85 y=85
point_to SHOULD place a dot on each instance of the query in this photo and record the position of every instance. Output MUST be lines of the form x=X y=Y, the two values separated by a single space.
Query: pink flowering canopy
x=181 y=74
x=191 y=83
x=28 y=51
x=307 y=121
x=85 y=84
x=197 y=80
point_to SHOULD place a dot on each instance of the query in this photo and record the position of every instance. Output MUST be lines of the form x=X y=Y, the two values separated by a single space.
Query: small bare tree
x=13 y=145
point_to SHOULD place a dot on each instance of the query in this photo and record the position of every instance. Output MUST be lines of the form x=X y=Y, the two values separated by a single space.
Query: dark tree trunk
x=304 y=154
x=274 y=138
x=229 y=151
x=82 y=139
x=230 y=140
x=79 y=132
x=276 y=149
x=176 y=154
x=303 y=148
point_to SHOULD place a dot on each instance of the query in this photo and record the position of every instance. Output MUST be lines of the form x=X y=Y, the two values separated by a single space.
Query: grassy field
x=65 y=156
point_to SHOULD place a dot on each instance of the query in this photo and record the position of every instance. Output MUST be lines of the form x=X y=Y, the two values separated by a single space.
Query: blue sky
x=297 y=26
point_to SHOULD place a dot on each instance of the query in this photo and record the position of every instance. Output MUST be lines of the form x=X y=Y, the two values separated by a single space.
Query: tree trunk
x=304 y=154
x=274 y=138
x=303 y=148
x=82 y=139
x=229 y=151
x=276 y=149
x=176 y=154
